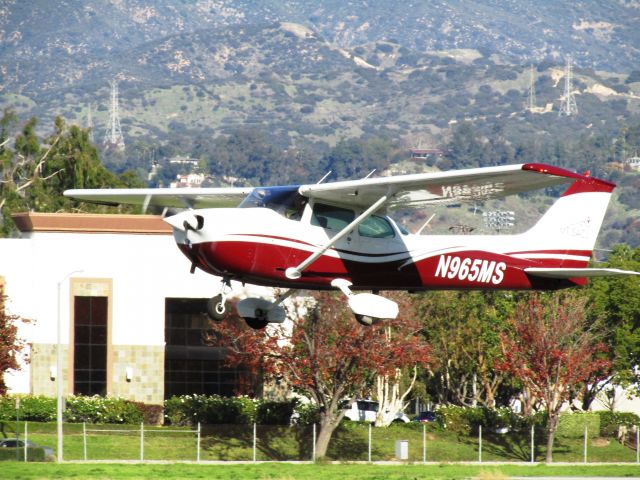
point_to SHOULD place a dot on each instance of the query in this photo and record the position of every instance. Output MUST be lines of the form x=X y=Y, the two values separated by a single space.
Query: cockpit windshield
x=284 y=200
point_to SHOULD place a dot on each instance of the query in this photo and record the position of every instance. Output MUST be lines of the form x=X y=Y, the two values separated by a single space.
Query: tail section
x=573 y=222
x=568 y=231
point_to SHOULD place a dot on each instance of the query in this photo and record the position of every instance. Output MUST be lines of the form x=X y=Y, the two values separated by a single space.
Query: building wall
x=146 y=364
x=136 y=271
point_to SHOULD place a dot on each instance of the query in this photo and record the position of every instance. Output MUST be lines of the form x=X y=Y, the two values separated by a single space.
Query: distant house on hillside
x=183 y=160
x=634 y=163
x=425 y=153
x=188 y=181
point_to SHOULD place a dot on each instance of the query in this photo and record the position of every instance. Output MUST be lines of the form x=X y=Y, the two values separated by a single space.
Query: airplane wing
x=566 y=273
x=453 y=186
x=164 y=197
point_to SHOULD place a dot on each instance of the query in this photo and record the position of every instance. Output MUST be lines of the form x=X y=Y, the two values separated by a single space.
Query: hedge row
x=38 y=408
x=191 y=409
x=610 y=421
x=184 y=410
x=466 y=420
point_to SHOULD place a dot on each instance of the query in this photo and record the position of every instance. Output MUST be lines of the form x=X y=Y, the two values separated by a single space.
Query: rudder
x=574 y=220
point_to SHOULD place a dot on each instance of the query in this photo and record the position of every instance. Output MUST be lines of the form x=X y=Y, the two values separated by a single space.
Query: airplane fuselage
x=334 y=236
x=257 y=245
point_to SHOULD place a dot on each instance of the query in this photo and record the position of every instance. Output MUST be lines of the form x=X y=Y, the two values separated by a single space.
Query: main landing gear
x=368 y=308
x=257 y=312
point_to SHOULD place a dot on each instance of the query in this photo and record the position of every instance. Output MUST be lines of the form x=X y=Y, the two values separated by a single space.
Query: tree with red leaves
x=10 y=345
x=552 y=350
x=326 y=355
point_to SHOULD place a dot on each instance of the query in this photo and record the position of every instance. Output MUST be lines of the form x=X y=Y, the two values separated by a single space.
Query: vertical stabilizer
x=574 y=220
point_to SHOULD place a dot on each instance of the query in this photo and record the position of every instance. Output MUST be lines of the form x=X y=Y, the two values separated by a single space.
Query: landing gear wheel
x=217 y=309
x=366 y=320
x=256 y=323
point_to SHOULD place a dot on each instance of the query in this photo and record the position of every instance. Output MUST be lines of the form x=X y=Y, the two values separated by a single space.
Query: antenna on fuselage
x=370 y=173
x=325 y=177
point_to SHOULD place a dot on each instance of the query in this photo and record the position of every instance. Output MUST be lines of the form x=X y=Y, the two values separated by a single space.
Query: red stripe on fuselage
x=265 y=264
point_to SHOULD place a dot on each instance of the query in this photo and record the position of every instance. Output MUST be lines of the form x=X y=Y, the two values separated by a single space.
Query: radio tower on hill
x=531 y=101
x=90 y=124
x=568 y=106
x=113 y=136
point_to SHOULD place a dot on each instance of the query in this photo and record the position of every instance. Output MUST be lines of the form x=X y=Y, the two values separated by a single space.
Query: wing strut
x=294 y=273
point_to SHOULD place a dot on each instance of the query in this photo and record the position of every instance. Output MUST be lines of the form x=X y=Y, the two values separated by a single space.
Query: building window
x=90 y=345
x=191 y=366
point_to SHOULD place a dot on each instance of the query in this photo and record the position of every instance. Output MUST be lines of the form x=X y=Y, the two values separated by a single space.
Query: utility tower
x=113 y=136
x=90 y=124
x=531 y=101
x=568 y=106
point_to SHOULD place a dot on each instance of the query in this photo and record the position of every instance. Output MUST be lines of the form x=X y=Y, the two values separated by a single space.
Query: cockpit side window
x=376 y=227
x=333 y=218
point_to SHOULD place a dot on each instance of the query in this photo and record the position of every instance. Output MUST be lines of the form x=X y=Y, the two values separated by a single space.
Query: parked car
x=17 y=443
x=366 y=410
x=425 y=417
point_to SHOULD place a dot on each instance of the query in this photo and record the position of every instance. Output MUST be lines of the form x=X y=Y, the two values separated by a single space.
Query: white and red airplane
x=337 y=235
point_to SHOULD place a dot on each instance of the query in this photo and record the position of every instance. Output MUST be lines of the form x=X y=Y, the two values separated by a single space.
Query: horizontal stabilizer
x=577 y=272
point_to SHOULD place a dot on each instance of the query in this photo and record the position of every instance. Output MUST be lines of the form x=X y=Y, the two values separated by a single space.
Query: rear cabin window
x=333 y=218
x=376 y=227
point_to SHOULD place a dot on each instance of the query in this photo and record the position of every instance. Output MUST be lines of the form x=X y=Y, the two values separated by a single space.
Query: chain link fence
x=351 y=442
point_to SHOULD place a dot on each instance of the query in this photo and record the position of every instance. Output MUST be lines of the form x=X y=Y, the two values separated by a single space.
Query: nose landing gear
x=217 y=306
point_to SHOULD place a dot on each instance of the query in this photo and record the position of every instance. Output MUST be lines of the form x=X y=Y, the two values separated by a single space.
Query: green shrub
x=176 y=412
x=466 y=420
x=275 y=413
x=572 y=424
x=462 y=420
x=151 y=414
x=102 y=410
x=214 y=409
x=307 y=414
x=35 y=408
x=96 y=409
x=610 y=421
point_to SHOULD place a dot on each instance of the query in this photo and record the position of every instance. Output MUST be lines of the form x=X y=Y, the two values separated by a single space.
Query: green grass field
x=118 y=454
x=287 y=471
x=281 y=443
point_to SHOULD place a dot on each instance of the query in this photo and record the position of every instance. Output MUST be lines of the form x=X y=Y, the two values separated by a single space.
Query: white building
x=190 y=180
x=132 y=315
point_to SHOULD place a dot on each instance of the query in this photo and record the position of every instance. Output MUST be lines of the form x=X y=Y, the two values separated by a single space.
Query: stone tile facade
x=146 y=364
x=42 y=359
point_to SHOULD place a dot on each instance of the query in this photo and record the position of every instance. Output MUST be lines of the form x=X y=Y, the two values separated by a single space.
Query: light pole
x=59 y=367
